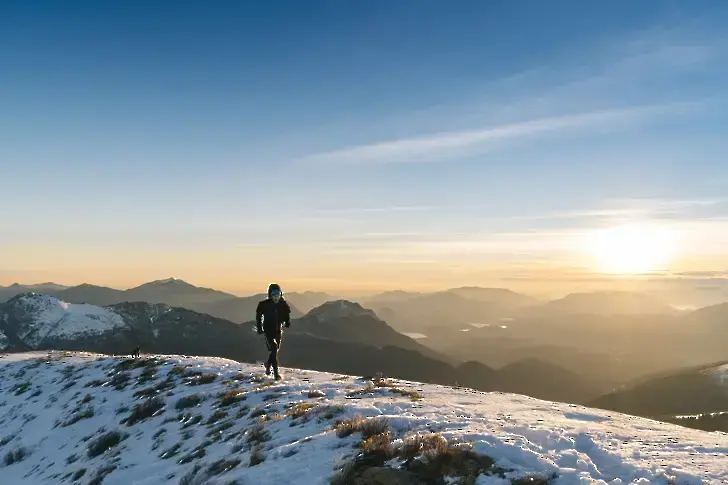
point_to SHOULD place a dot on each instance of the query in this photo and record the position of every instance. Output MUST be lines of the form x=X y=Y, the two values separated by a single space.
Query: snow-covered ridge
x=340 y=309
x=42 y=317
x=171 y=420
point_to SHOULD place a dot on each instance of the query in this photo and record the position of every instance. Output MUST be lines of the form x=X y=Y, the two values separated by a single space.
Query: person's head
x=274 y=292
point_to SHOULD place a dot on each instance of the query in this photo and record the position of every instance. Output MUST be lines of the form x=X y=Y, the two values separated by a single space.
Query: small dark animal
x=135 y=353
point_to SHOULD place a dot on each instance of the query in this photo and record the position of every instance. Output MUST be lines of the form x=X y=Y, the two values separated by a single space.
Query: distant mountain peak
x=168 y=281
x=340 y=309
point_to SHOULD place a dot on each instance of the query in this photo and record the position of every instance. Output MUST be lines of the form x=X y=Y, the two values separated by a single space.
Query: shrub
x=231 y=397
x=15 y=456
x=222 y=466
x=300 y=410
x=21 y=388
x=379 y=444
x=418 y=444
x=188 y=401
x=367 y=427
x=147 y=409
x=256 y=456
x=79 y=473
x=105 y=442
x=189 y=421
x=101 y=474
x=170 y=452
x=314 y=393
x=257 y=434
x=155 y=390
x=414 y=395
x=216 y=416
x=78 y=415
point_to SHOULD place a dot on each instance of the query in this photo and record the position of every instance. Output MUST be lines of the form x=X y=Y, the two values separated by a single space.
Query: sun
x=633 y=248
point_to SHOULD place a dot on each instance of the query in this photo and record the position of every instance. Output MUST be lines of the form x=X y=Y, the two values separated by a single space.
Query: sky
x=335 y=145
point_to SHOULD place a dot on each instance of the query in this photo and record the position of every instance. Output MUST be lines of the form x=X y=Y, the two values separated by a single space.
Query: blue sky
x=325 y=139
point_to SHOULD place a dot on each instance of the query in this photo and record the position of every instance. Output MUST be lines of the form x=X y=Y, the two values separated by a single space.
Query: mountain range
x=170 y=291
x=338 y=336
x=578 y=348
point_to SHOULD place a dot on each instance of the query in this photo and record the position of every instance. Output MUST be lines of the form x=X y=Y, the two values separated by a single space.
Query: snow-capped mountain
x=85 y=418
x=36 y=319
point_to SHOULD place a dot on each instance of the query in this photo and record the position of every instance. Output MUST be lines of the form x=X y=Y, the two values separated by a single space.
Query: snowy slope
x=64 y=416
x=49 y=317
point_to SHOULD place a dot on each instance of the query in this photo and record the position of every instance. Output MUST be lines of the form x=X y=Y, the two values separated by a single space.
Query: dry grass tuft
x=256 y=456
x=231 y=397
x=378 y=444
x=105 y=442
x=367 y=427
x=189 y=401
x=216 y=416
x=148 y=409
x=315 y=393
x=300 y=410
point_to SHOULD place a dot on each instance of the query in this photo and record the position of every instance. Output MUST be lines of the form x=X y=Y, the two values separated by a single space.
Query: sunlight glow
x=633 y=248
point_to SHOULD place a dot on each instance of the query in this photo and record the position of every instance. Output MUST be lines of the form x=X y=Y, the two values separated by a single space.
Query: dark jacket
x=269 y=316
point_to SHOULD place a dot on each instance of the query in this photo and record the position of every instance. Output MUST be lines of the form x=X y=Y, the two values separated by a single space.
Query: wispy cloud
x=618 y=80
x=439 y=146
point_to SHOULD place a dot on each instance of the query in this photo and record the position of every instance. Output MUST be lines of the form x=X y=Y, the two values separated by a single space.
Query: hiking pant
x=273 y=342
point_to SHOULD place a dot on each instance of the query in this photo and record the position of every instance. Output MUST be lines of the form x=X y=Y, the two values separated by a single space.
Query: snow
x=527 y=436
x=414 y=335
x=55 y=318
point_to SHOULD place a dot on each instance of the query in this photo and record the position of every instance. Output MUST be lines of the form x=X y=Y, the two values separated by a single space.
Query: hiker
x=270 y=316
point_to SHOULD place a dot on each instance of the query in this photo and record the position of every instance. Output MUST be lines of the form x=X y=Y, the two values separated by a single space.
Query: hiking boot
x=278 y=376
x=267 y=368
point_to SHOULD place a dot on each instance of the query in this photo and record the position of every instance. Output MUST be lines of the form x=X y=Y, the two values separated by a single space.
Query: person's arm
x=286 y=314
x=259 y=317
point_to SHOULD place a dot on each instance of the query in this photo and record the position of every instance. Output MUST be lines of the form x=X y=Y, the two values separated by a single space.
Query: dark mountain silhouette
x=175 y=292
x=16 y=289
x=693 y=390
x=709 y=319
x=346 y=321
x=91 y=294
x=171 y=291
x=34 y=321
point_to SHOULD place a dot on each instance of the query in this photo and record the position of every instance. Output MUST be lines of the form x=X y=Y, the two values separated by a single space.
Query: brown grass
x=419 y=444
x=231 y=397
x=216 y=416
x=357 y=424
x=148 y=409
x=189 y=401
x=256 y=456
x=378 y=444
x=315 y=393
x=300 y=410
x=414 y=395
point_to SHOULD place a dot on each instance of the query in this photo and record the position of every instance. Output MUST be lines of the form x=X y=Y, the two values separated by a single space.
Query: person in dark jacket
x=270 y=316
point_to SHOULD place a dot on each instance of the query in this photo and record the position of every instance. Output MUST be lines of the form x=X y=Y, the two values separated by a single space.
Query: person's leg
x=277 y=346
x=272 y=353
